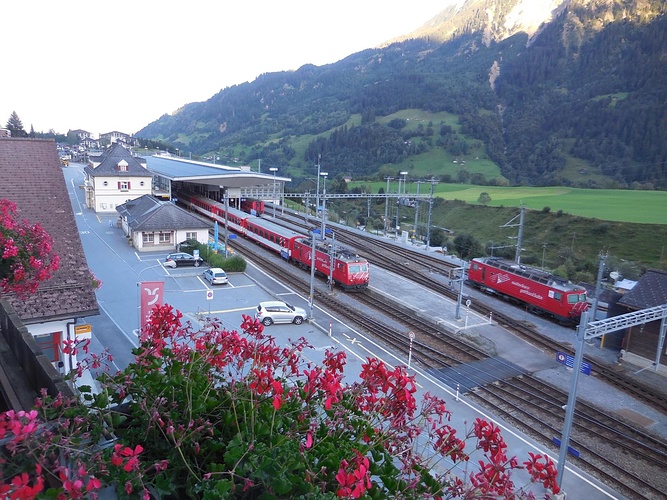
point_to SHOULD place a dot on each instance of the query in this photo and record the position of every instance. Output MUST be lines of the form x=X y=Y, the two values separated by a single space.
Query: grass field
x=642 y=207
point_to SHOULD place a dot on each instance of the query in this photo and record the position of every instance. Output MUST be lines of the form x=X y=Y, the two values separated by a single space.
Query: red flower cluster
x=26 y=253
x=213 y=409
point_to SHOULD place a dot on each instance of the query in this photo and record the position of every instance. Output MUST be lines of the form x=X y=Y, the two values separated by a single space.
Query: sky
x=120 y=65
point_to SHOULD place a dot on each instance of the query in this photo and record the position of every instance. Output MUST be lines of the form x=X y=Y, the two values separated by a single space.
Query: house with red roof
x=34 y=327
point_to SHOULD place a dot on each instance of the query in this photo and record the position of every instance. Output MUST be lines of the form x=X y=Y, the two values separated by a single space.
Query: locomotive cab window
x=574 y=298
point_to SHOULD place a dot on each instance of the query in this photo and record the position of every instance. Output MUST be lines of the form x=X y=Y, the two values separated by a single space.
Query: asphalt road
x=120 y=268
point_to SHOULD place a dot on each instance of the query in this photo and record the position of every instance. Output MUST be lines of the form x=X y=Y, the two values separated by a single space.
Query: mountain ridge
x=580 y=87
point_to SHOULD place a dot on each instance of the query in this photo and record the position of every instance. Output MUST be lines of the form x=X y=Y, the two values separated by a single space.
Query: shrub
x=234 y=263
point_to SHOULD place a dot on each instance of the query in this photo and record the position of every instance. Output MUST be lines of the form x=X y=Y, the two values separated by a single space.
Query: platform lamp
x=324 y=201
x=274 y=170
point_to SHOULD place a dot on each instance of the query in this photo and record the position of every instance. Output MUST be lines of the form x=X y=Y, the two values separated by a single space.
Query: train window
x=475 y=266
x=573 y=298
x=582 y=297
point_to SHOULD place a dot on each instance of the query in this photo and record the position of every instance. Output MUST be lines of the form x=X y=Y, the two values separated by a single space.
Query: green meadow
x=642 y=207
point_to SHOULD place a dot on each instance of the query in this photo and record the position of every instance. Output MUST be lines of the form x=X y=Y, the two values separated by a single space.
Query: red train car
x=543 y=292
x=350 y=271
x=253 y=207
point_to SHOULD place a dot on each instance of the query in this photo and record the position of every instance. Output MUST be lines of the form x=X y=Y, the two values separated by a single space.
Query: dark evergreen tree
x=15 y=125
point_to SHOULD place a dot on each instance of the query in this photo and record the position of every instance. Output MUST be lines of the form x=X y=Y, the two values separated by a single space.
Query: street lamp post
x=274 y=170
x=324 y=201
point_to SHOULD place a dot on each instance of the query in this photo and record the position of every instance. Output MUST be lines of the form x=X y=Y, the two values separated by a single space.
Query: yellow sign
x=82 y=329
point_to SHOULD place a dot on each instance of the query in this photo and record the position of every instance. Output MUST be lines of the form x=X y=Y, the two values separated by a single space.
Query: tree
x=438 y=238
x=484 y=198
x=15 y=125
x=467 y=246
x=227 y=414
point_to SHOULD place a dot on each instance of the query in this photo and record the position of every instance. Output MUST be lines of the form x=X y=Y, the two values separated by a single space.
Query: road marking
x=352 y=340
x=222 y=311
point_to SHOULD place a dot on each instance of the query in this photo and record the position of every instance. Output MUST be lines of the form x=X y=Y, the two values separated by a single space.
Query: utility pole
x=324 y=202
x=598 y=287
x=398 y=201
x=430 y=212
x=417 y=210
x=386 y=205
x=368 y=211
x=519 y=239
x=317 y=190
x=332 y=256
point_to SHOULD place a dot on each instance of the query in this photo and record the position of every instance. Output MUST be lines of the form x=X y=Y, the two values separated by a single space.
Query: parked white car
x=277 y=311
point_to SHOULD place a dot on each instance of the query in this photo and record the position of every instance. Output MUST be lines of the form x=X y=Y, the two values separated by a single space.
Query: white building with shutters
x=115 y=178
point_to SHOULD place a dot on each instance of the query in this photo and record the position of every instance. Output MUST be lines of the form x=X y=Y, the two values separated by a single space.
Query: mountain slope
x=542 y=85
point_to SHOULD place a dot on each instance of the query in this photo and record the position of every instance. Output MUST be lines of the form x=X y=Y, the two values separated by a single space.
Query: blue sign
x=568 y=361
x=215 y=235
x=572 y=451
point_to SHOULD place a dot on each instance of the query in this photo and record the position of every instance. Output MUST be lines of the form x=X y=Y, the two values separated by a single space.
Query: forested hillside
x=580 y=101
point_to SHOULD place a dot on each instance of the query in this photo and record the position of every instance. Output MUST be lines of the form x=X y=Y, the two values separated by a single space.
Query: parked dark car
x=179 y=259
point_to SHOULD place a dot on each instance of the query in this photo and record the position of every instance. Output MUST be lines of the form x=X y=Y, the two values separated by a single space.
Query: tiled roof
x=650 y=291
x=31 y=176
x=109 y=164
x=147 y=213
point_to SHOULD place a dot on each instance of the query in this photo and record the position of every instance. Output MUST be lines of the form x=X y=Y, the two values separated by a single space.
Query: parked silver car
x=277 y=311
x=216 y=276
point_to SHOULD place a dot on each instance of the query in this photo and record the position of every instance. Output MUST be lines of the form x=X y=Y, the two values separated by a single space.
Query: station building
x=171 y=174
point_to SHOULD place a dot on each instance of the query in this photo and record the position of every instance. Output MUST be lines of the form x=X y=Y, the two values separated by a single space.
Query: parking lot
x=121 y=268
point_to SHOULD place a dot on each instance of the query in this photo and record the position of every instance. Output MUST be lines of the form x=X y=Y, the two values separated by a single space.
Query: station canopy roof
x=181 y=169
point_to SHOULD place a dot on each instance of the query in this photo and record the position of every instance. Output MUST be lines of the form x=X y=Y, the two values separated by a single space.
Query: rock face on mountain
x=541 y=88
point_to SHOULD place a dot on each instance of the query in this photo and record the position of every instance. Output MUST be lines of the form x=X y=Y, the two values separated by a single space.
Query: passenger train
x=543 y=292
x=349 y=270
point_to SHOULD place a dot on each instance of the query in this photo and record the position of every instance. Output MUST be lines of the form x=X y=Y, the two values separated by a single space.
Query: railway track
x=421 y=268
x=435 y=349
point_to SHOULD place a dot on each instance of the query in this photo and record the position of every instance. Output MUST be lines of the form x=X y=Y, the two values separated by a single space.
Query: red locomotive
x=543 y=292
x=254 y=207
x=349 y=270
